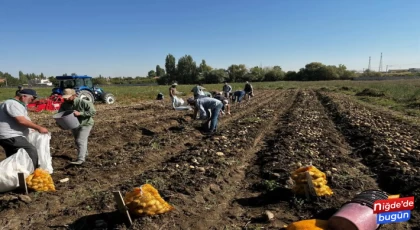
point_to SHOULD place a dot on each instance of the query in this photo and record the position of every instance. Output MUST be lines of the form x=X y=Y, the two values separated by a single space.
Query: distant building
x=398 y=70
x=43 y=82
x=414 y=70
x=2 y=80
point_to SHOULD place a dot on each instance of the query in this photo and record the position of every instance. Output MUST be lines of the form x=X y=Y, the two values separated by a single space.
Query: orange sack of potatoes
x=146 y=201
x=313 y=224
x=40 y=180
x=319 y=180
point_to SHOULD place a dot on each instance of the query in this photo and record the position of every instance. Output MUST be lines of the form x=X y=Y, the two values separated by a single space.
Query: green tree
x=327 y=73
x=215 y=76
x=164 y=80
x=22 y=78
x=236 y=72
x=371 y=73
x=9 y=79
x=348 y=75
x=187 y=70
x=203 y=68
x=151 y=74
x=274 y=74
x=255 y=74
x=100 y=80
x=170 y=66
x=53 y=80
x=159 y=71
x=291 y=76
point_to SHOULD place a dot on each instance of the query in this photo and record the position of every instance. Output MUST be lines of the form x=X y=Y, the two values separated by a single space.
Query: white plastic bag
x=176 y=102
x=19 y=162
x=42 y=145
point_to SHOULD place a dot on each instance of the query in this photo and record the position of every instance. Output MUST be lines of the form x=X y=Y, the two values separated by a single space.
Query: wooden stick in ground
x=309 y=187
x=122 y=208
x=22 y=184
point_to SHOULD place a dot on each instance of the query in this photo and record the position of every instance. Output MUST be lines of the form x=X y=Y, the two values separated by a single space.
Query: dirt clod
x=268 y=215
x=25 y=198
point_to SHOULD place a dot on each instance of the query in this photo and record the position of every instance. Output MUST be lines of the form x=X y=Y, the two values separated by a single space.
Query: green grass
x=400 y=95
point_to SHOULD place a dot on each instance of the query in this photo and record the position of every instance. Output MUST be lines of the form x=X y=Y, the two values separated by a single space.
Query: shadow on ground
x=103 y=221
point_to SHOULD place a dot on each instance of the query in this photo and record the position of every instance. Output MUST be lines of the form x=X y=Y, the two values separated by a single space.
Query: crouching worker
x=15 y=124
x=84 y=111
x=224 y=100
x=238 y=96
x=209 y=109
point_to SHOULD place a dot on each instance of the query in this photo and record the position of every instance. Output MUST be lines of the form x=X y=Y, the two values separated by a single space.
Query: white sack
x=42 y=145
x=19 y=162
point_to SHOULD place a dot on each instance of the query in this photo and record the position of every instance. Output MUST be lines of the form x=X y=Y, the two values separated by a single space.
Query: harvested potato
x=146 y=201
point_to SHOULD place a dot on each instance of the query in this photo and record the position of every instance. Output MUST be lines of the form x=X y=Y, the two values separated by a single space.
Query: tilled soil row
x=94 y=179
x=304 y=135
x=190 y=179
x=388 y=146
x=136 y=131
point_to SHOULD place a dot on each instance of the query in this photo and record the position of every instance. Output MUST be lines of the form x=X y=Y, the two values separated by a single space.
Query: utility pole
x=369 y=64
x=380 y=64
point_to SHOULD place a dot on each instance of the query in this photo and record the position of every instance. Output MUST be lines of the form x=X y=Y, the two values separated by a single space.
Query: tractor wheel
x=86 y=95
x=108 y=98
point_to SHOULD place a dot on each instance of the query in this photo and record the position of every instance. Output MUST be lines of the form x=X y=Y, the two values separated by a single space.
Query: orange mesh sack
x=319 y=180
x=313 y=224
x=146 y=201
x=40 y=180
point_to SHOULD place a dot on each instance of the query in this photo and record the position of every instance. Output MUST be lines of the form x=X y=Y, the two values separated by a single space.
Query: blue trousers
x=215 y=116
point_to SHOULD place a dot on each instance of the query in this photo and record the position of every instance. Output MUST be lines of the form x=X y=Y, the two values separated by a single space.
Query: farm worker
x=227 y=89
x=238 y=96
x=209 y=109
x=224 y=100
x=176 y=102
x=15 y=124
x=159 y=96
x=249 y=90
x=198 y=90
x=84 y=111
x=19 y=89
x=172 y=90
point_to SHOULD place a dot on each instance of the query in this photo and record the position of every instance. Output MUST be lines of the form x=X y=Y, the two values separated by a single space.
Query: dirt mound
x=370 y=93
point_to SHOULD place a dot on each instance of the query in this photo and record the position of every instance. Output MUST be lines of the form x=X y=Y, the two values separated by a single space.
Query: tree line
x=186 y=71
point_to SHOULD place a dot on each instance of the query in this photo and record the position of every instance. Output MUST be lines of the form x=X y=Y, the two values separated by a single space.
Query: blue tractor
x=84 y=88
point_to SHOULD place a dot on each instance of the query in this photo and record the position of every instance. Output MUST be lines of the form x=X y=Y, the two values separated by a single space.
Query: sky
x=130 y=37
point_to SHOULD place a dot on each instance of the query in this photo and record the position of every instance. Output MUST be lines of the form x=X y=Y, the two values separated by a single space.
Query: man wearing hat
x=227 y=89
x=15 y=124
x=174 y=99
x=172 y=90
x=209 y=109
x=19 y=89
x=84 y=111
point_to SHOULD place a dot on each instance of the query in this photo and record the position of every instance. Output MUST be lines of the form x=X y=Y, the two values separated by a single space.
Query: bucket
x=357 y=214
x=66 y=120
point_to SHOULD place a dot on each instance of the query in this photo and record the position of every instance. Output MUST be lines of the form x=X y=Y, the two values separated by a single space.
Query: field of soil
x=263 y=140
